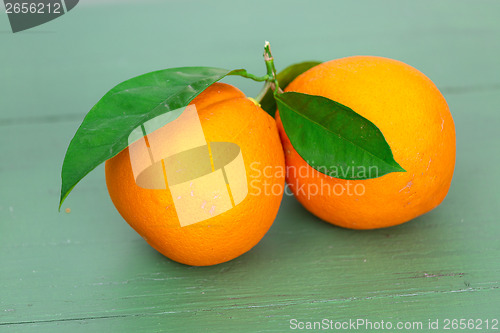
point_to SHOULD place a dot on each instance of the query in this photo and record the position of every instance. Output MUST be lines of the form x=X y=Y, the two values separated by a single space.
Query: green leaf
x=105 y=129
x=334 y=139
x=284 y=78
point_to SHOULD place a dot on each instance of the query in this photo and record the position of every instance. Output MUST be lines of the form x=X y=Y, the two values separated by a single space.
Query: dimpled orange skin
x=414 y=119
x=226 y=115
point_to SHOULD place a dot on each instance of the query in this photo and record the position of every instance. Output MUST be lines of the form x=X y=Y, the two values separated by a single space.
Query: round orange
x=414 y=119
x=226 y=115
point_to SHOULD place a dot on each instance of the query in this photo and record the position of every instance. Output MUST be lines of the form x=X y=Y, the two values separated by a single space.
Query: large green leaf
x=334 y=139
x=284 y=78
x=104 y=131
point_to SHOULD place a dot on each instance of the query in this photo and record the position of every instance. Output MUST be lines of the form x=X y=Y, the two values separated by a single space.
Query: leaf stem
x=271 y=69
x=244 y=73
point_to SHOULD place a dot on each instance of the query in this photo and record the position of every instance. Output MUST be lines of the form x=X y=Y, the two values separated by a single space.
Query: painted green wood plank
x=89 y=270
x=277 y=318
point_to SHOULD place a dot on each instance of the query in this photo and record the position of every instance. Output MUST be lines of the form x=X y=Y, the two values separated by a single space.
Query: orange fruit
x=226 y=115
x=414 y=119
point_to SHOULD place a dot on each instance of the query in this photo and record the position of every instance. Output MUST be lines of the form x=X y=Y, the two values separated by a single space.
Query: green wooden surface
x=88 y=271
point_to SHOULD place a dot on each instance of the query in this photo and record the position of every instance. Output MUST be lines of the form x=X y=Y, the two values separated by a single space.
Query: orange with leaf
x=226 y=115
x=416 y=123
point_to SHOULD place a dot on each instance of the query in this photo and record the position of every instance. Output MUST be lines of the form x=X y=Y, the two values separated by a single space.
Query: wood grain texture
x=88 y=271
